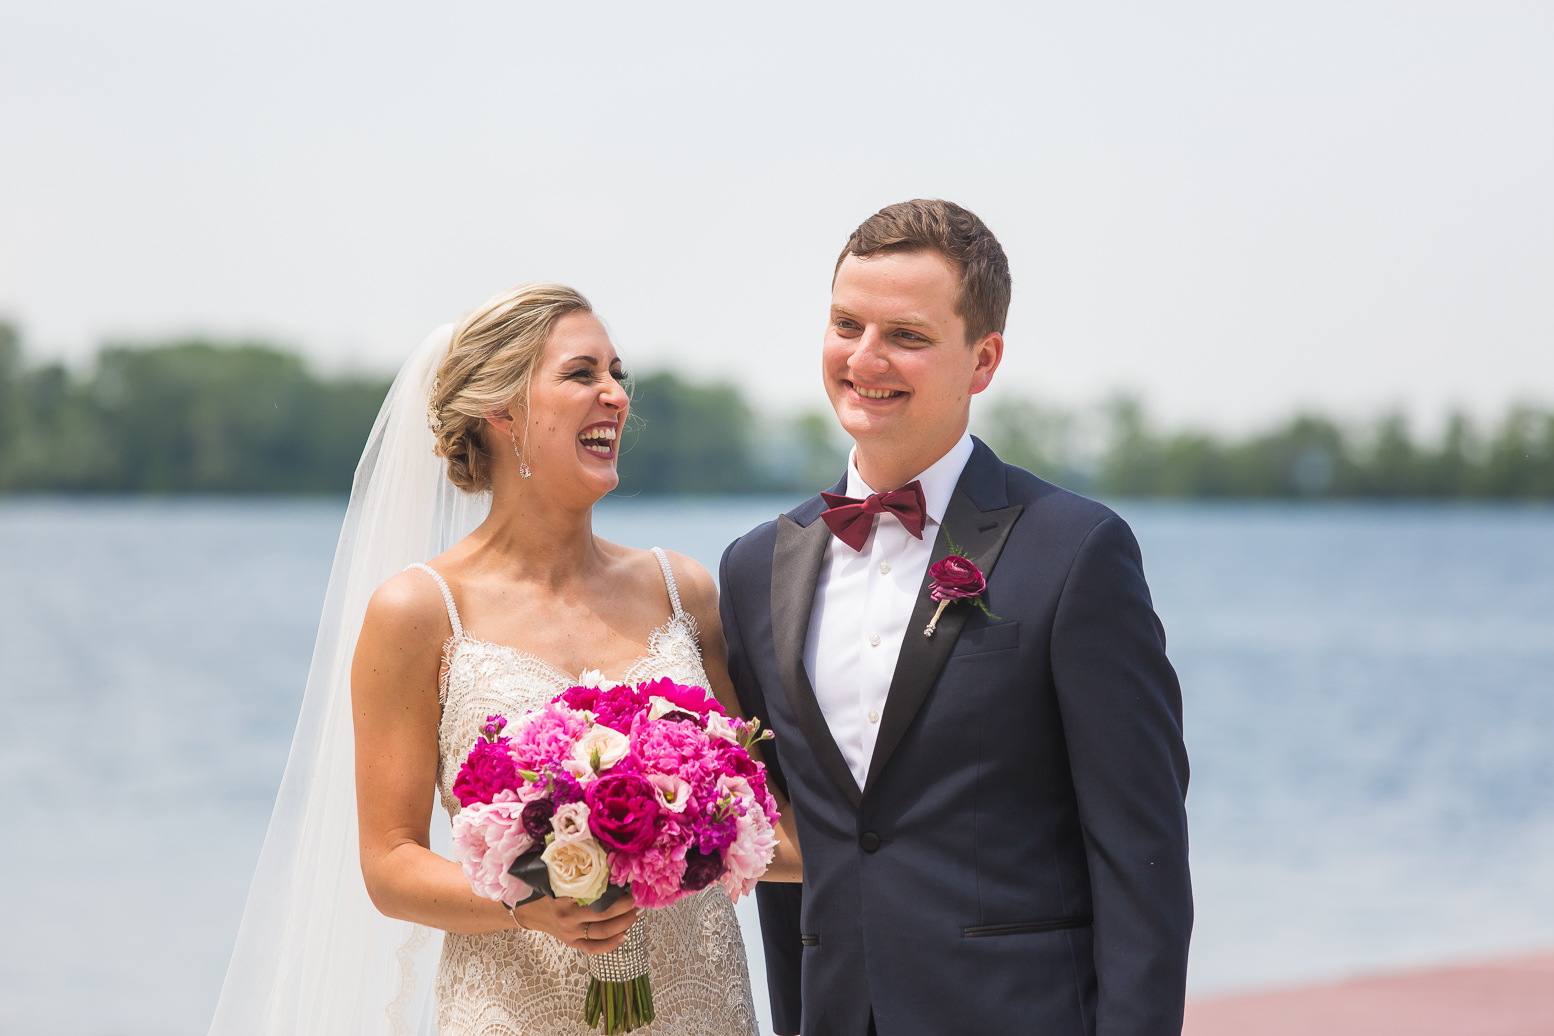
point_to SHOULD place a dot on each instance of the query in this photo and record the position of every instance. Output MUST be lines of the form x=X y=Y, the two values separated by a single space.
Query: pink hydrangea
x=544 y=735
x=487 y=838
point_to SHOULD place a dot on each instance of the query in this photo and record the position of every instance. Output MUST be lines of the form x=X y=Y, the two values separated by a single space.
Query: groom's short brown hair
x=934 y=225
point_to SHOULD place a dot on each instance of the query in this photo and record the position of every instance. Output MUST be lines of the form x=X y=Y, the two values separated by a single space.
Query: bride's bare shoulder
x=692 y=580
x=698 y=592
x=408 y=606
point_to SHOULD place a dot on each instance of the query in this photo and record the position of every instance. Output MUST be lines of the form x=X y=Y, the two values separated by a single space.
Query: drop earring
x=523 y=465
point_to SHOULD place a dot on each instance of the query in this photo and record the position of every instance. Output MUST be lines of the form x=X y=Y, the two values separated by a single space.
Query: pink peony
x=614 y=707
x=654 y=875
x=754 y=845
x=697 y=700
x=675 y=748
x=487 y=838
x=534 y=792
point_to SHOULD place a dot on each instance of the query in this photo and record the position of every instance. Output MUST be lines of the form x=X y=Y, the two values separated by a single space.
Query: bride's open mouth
x=599 y=440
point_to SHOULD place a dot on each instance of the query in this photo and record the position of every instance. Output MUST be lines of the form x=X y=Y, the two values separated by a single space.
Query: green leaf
x=956 y=549
x=977 y=600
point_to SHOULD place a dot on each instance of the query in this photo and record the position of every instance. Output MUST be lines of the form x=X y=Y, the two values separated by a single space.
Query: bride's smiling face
x=577 y=407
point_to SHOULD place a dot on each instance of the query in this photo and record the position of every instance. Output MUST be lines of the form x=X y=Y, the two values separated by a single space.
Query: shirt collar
x=939 y=480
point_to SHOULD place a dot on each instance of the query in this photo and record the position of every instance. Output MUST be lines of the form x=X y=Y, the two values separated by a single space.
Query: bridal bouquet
x=649 y=787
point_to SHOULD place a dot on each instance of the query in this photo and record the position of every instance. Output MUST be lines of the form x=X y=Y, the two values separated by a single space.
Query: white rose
x=611 y=745
x=570 y=822
x=659 y=707
x=578 y=869
x=595 y=679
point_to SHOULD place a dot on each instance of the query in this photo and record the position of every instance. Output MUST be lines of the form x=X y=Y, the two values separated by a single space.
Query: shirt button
x=874 y=640
x=874 y=715
x=884 y=568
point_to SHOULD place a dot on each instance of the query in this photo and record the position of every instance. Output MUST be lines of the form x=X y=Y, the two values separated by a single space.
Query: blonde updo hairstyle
x=487 y=371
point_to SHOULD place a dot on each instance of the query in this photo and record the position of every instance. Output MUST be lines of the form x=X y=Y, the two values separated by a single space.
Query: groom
x=991 y=816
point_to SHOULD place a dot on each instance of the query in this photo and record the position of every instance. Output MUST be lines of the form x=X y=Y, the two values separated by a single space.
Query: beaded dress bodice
x=518 y=983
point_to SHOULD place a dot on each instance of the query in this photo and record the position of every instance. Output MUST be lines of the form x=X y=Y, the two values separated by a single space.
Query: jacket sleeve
x=1122 y=719
x=777 y=902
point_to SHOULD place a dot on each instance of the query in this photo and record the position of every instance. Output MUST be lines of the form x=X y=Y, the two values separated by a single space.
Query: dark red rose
x=488 y=770
x=536 y=817
x=701 y=870
x=622 y=811
x=955 y=578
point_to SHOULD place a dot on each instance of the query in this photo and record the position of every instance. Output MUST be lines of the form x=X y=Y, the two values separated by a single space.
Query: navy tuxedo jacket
x=1017 y=859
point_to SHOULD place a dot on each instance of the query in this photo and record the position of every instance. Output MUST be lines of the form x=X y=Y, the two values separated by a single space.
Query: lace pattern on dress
x=520 y=983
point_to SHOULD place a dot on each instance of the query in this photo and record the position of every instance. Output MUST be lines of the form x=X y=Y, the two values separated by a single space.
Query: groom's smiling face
x=897 y=365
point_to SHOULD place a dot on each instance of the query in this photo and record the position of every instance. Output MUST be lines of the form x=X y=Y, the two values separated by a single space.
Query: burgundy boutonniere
x=956 y=578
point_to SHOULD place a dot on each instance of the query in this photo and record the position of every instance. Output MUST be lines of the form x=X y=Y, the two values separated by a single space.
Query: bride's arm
x=699 y=596
x=394 y=679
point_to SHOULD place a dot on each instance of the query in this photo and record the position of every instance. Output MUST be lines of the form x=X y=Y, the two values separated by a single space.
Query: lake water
x=1369 y=706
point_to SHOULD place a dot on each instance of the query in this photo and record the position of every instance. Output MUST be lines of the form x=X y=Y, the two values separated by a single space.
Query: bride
x=519 y=416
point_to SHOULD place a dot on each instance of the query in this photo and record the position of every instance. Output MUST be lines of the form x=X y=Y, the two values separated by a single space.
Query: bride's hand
x=578 y=926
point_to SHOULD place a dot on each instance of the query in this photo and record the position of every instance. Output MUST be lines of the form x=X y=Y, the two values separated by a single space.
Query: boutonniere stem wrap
x=955 y=578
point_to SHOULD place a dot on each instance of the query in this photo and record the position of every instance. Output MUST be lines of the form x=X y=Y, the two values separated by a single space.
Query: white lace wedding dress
x=519 y=983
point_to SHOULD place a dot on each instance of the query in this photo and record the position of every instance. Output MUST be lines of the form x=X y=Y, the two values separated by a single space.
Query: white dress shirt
x=863 y=602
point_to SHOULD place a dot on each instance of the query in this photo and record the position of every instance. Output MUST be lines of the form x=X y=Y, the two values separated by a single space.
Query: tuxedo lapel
x=978 y=533
x=796 y=559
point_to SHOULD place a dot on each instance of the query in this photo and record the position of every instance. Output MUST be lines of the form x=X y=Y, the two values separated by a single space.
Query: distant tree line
x=203 y=417
x=1116 y=452
x=186 y=417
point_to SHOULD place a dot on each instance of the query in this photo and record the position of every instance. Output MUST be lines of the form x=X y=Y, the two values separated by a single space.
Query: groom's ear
x=989 y=353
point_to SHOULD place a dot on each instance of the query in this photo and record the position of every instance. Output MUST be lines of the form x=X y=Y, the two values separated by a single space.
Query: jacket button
x=870 y=841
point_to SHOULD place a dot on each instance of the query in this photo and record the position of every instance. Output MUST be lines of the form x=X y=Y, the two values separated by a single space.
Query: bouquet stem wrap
x=619 y=991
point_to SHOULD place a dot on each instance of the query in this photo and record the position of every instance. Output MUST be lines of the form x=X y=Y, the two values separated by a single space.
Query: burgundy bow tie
x=850 y=520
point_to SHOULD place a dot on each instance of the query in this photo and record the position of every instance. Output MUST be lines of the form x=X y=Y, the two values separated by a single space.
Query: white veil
x=313 y=955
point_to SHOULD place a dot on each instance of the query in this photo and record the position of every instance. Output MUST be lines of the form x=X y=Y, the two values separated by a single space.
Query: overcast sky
x=1235 y=209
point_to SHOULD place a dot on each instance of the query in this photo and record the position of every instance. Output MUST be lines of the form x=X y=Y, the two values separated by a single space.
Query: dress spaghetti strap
x=674 y=591
x=447 y=596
